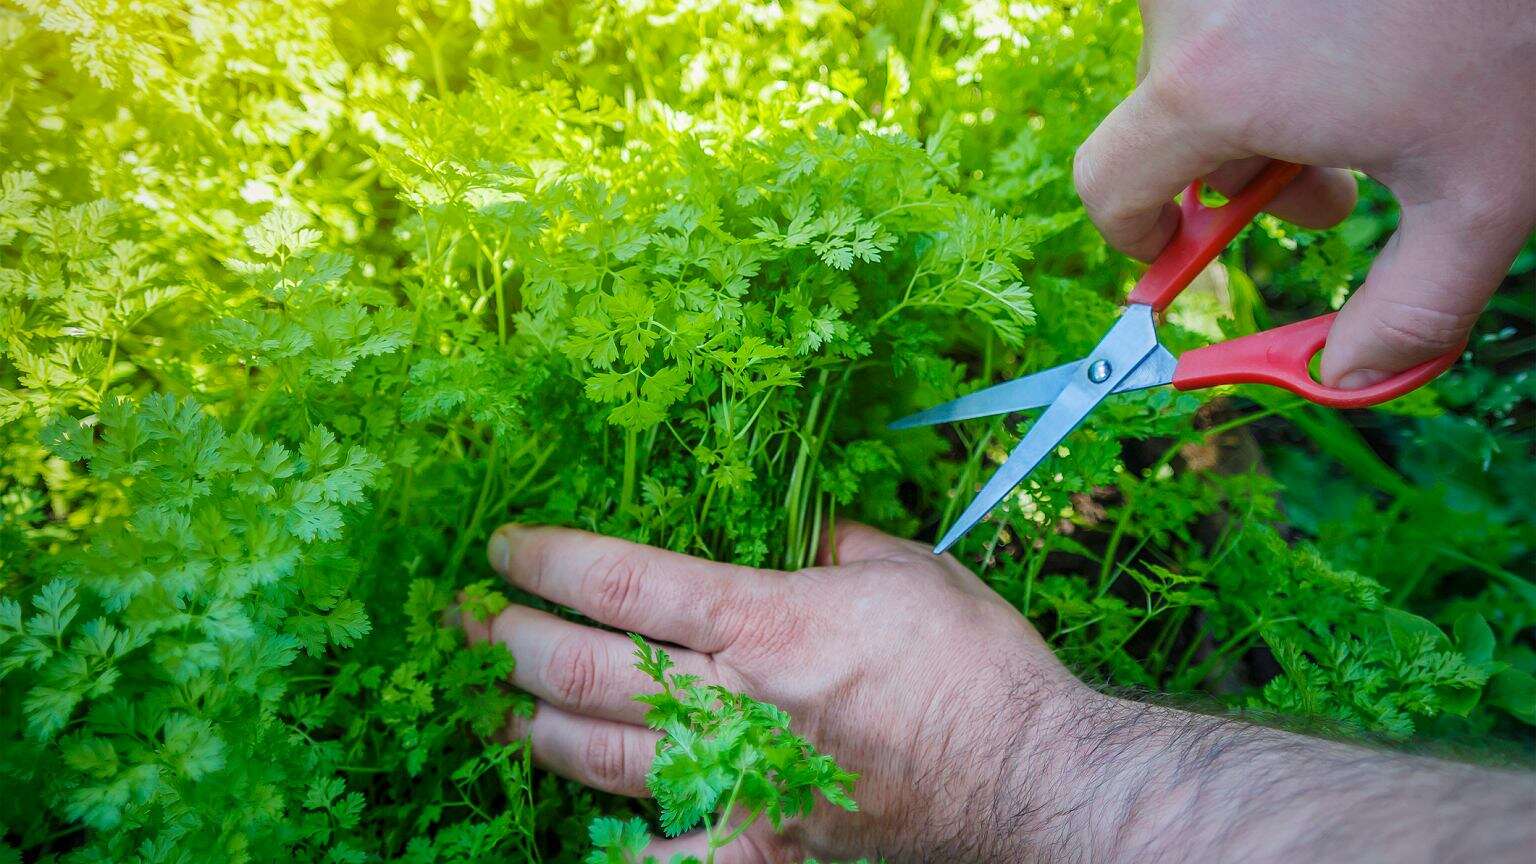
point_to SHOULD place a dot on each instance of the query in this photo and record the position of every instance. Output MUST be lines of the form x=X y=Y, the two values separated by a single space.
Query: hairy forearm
x=1106 y=779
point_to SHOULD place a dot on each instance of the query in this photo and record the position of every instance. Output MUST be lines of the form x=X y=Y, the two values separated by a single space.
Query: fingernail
x=498 y=549
x=1362 y=378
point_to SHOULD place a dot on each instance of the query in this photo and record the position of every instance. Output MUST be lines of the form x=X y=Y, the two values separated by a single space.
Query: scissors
x=1129 y=357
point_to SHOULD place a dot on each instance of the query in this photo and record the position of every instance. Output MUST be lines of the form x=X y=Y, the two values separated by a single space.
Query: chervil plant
x=725 y=761
x=298 y=301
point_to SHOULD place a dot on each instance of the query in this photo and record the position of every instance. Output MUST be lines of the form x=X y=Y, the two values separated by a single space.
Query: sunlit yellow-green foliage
x=298 y=300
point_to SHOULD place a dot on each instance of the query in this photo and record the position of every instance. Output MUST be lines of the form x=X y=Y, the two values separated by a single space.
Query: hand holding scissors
x=1129 y=357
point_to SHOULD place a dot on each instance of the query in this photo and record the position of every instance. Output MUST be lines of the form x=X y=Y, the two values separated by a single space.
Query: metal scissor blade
x=1020 y=394
x=1033 y=391
x=1155 y=370
x=1127 y=344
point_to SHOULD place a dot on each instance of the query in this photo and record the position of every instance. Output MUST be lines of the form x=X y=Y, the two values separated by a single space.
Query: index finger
x=664 y=595
x=1129 y=169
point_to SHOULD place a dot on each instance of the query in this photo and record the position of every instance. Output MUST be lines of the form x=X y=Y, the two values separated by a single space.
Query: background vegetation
x=297 y=301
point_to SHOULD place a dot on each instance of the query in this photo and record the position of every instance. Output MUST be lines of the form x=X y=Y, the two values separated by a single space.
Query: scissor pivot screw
x=1098 y=371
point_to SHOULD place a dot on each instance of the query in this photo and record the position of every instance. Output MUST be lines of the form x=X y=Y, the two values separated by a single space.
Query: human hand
x=972 y=742
x=903 y=666
x=1431 y=99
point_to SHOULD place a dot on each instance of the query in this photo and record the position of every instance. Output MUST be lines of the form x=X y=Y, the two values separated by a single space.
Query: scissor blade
x=1127 y=344
x=1154 y=371
x=1020 y=394
x=1033 y=391
x=1061 y=418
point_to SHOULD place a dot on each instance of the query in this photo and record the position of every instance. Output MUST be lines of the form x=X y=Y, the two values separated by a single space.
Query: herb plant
x=725 y=760
x=298 y=301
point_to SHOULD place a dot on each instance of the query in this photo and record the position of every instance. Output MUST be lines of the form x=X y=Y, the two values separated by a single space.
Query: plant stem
x=1107 y=566
x=739 y=829
x=106 y=372
x=469 y=531
x=631 y=468
x=252 y=411
x=725 y=817
x=796 y=497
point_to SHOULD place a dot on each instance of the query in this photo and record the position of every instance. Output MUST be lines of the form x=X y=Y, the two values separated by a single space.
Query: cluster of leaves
x=721 y=755
x=298 y=301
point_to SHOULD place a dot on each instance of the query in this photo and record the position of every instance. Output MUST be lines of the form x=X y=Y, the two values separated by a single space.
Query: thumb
x=1424 y=292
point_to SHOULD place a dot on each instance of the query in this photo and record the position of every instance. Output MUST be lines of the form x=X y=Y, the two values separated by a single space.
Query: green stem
x=1512 y=580
x=1036 y=564
x=920 y=39
x=968 y=474
x=528 y=476
x=631 y=469
x=106 y=372
x=796 y=496
x=253 y=410
x=469 y=531
x=725 y=818
x=498 y=278
x=1164 y=640
x=1107 y=566
x=739 y=829
x=436 y=53
x=642 y=72
x=1130 y=634
x=1238 y=640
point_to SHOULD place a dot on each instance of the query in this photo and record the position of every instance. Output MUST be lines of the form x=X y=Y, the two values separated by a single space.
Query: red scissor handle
x=1204 y=231
x=1281 y=356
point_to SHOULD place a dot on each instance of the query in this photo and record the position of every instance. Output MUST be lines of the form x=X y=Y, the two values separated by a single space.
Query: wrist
x=1088 y=779
x=997 y=753
x=1045 y=738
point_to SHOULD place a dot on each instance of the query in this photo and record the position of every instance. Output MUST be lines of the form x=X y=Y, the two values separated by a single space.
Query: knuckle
x=1488 y=208
x=505 y=623
x=1176 y=88
x=604 y=760
x=756 y=634
x=1196 y=88
x=1116 y=216
x=616 y=584
x=730 y=611
x=571 y=672
x=528 y=560
x=1098 y=199
x=1083 y=181
x=1192 y=71
x=733 y=613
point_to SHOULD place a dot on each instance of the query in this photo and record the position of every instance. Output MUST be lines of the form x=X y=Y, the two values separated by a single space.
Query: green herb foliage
x=725 y=760
x=298 y=301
